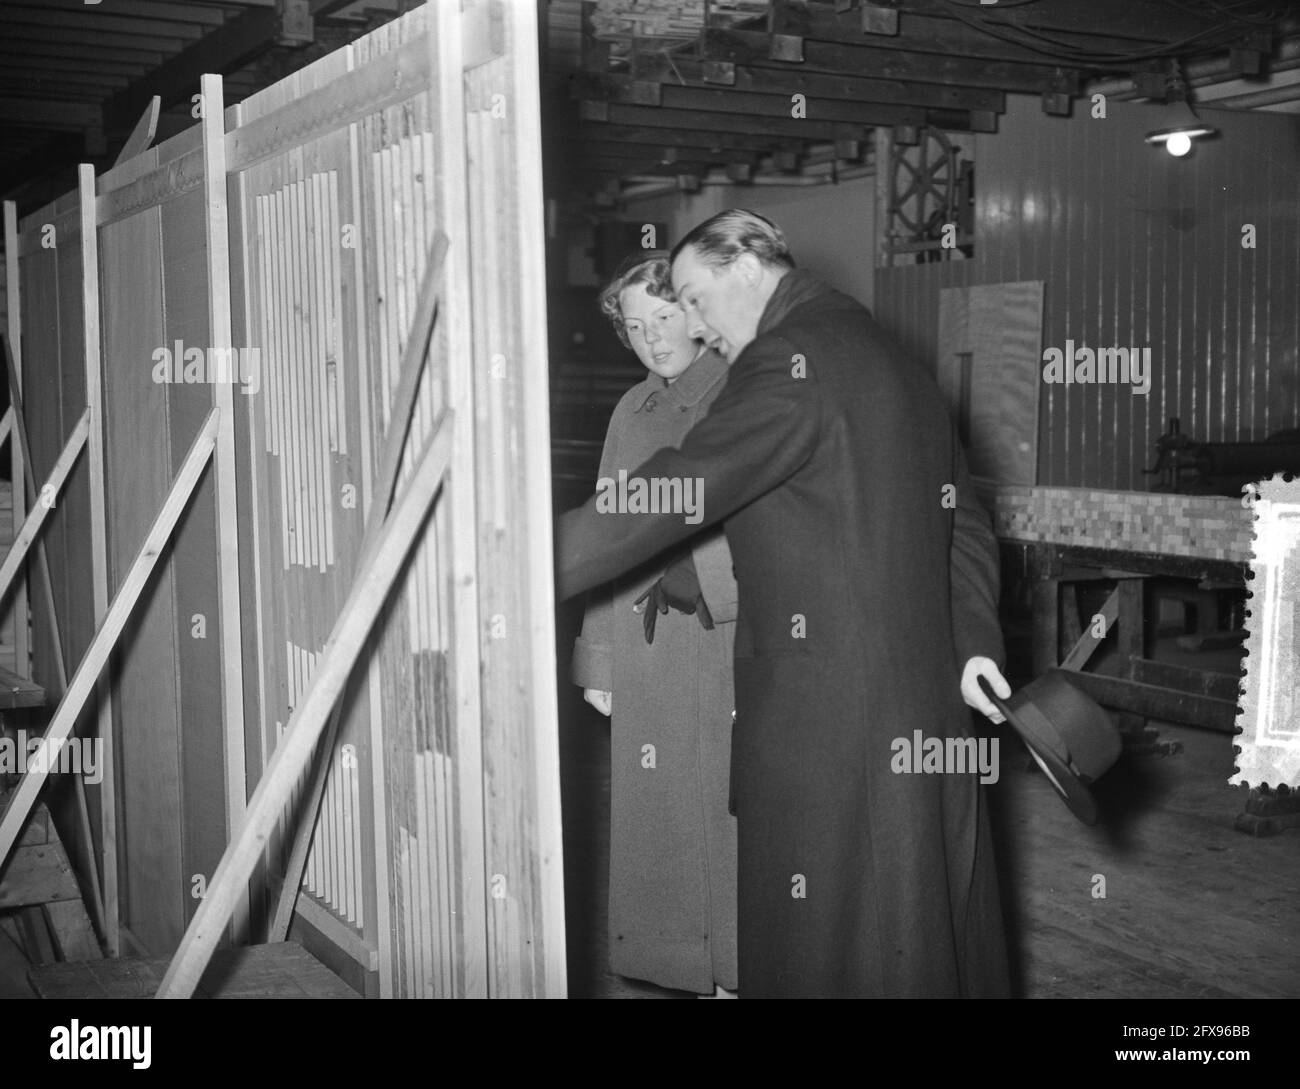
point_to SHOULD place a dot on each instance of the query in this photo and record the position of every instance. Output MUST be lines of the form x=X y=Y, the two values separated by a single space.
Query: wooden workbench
x=1058 y=538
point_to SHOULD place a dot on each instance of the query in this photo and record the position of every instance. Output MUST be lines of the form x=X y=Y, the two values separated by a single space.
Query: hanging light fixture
x=1187 y=126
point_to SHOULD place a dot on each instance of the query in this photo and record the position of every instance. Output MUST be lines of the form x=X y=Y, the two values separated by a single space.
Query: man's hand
x=602 y=701
x=678 y=587
x=970 y=687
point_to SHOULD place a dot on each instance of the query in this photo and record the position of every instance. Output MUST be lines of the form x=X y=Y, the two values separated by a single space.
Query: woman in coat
x=672 y=881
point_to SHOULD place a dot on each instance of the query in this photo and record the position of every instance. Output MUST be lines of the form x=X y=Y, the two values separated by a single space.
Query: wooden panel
x=1136 y=248
x=15 y=644
x=154 y=886
x=41 y=372
x=511 y=371
x=192 y=567
x=1006 y=334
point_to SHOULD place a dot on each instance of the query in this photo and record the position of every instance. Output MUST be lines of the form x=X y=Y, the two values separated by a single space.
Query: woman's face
x=656 y=329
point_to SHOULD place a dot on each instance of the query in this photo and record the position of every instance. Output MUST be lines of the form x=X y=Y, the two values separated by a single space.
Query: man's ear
x=750 y=268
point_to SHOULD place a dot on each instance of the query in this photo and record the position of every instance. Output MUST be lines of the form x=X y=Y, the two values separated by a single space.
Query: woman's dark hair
x=649 y=267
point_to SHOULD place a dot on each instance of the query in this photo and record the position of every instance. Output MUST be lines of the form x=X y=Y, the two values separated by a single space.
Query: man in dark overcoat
x=868 y=581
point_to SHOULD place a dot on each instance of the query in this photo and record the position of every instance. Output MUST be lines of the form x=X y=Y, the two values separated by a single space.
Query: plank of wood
x=143 y=133
x=1045 y=605
x=14 y=319
x=22 y=468
x=193 y=694
x=1088 y=642
x=386 y=477
x=449 y=106
x=37 y=874
x=1219 y=686
x=87 y=674
x=23 y=453
x=16 y=691
x=98 y=543
x=346 y=641
x=17 y=555
x=219 y=327
x=36 y=936
x=74 y=938
x=386 y=80
x=285 y=970
x=1151 y=701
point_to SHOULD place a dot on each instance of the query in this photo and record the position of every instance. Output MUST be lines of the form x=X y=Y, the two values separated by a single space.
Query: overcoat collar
x=795 y=288
x=691 y=386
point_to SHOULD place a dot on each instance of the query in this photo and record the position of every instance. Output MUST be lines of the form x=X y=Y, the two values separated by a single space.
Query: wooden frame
x=217 y=237
x=374 y=580
x=417 y=349
x=98 y=539
x=22 y=651
x=110 y=629
x=339 y=179
x=20 y=453
x=29 y=534
x=143 y=133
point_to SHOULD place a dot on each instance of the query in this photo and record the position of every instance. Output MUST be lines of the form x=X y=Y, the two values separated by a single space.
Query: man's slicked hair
x=722 y=238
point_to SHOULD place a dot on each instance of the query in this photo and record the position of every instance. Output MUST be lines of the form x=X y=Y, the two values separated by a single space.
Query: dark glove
x=679 y=587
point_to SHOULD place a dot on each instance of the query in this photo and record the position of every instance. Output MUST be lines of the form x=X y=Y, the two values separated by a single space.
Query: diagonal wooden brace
x=399 y=423
x=13 y=561
x=110 y=630
x=347 y=640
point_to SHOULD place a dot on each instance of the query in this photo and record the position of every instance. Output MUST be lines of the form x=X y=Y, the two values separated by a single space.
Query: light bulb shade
x=1192 y=132
x=1183 y=122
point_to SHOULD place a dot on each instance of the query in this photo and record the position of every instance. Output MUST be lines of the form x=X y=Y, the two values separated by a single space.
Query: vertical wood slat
x=447 y=90
x=14 y=317
x=99 y=544
x=378 y=808
x=227 y=561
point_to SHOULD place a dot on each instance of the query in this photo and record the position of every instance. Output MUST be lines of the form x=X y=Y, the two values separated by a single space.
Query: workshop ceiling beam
x=230 y=47
x=747 y=47
x=725 y=114
x=783 y=82
x=930 y=33
x=89 y=15
x=37 y=113
x=682 y=138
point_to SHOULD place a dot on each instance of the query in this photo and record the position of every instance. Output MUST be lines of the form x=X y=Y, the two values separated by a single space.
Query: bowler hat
x=1067 y=732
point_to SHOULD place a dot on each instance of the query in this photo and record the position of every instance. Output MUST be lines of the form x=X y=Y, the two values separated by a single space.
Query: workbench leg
x=1070 y=629
x=1131 y=636
x=1047 y=625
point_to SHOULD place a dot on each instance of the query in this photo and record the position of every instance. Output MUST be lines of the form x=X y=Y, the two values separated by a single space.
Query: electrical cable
x=1226 y=23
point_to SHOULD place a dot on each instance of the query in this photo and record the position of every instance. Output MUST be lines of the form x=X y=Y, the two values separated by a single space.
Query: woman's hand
x=602 y=701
